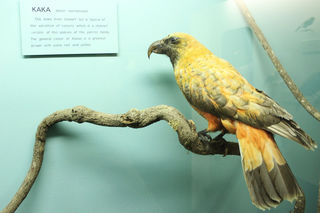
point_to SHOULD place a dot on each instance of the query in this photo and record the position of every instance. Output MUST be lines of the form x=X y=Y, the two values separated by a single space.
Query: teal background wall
x=89 y=168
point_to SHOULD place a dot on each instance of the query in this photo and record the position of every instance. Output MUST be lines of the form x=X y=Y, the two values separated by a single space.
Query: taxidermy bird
x=220 y=94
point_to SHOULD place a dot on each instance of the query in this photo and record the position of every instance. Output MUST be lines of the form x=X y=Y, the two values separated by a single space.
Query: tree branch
x=134 y=118
x=185 y=129
x=300 y=203
x=283 y=73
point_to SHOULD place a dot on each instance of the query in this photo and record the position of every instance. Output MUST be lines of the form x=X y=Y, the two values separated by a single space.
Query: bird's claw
x=204 y=136
x=219 y=137
x=219 y=140
x=222 y=142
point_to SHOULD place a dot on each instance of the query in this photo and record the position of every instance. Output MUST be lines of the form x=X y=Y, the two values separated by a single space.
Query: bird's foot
x=222 y=142
x=204 y=136
x=219 y=137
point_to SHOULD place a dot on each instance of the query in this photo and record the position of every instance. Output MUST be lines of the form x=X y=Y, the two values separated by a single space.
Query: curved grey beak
x=155 y=47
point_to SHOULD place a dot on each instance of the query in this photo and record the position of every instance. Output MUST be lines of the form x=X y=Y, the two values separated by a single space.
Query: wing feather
x=223 y=92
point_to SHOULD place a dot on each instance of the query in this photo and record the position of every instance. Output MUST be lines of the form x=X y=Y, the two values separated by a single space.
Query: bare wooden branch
x=185 y=129
x=134 y=118
x=283 y=73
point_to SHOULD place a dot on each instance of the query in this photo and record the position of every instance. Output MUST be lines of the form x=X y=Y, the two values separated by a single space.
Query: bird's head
x=174 y=45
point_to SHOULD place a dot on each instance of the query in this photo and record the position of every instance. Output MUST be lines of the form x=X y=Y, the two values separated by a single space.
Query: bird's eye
x=173 y=40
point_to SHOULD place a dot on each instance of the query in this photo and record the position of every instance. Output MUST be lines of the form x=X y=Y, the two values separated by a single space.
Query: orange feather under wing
x=214 y=123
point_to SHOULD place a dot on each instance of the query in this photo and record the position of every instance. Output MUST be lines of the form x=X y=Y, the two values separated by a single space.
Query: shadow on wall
x=58 y=130
x=163 y=78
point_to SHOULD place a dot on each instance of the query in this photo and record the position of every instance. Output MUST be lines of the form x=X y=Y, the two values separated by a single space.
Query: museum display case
x=58 y=55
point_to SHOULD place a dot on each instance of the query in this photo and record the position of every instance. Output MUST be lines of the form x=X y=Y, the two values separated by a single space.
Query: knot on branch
x=78 y=114
x=131 y=118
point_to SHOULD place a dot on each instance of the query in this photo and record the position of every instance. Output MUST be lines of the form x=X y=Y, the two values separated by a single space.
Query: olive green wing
x=225 y=93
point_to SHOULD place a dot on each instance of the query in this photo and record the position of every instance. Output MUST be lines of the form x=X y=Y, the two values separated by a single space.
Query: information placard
x=68 y=27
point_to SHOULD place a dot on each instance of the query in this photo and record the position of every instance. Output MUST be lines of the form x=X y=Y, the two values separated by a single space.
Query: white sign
x=68 y=27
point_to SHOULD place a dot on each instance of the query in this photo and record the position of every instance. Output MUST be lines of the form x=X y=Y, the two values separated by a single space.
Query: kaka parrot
x=230 y=104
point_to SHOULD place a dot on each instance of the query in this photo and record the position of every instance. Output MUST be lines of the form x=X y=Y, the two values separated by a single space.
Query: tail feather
x=261 y=188
x=291 y=130
x=285 y=182
x=268 y=176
